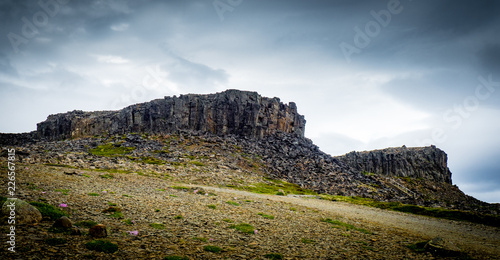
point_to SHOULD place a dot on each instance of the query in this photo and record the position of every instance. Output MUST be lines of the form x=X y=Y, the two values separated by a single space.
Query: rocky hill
x=252 y=126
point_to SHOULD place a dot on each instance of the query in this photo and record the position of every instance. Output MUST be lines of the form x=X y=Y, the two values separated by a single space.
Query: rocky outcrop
x=260 y=126
x=232 y=112
x=419 y=162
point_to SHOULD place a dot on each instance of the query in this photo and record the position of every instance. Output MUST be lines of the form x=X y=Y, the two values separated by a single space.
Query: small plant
x=200 y=239
x=85 y=223
x=118 y=215
x=111 y=150
x=172 y=195
x=126 y=195
x=213 y=249
x=101 y=245
x=280 y=193
x=245 y=228
x=307 y=241
x=227 y=220
x=107 y=176
x=232 y=203
x=293 y=209
x=266 y=216
x=157 y=225
x=49 y=211
x=178 y=217
x=112 y=209
x=157 y=210
x=55 y=241
x=212 y=206
x=180 y=188
x=174 y=257
x=369 y=174
x=93 y=194
x=111 y=204
x=128 y=222
x=273 y=256
x=197 y=163
x=85 y=175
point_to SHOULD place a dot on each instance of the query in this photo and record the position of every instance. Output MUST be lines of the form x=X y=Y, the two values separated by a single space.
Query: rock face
x=231 y=112
x=420 y=162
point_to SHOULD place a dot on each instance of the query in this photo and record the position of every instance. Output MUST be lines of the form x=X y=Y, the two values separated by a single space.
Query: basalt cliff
x=246 y=133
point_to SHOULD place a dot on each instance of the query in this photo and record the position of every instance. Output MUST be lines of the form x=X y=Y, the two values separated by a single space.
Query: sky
x=365 y=74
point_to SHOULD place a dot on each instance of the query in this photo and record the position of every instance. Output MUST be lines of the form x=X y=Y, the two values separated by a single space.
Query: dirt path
x=467 y=236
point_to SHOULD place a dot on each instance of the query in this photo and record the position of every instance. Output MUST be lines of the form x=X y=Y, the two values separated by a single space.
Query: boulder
x=98 y=231
x=63 y=222
x=20 y=211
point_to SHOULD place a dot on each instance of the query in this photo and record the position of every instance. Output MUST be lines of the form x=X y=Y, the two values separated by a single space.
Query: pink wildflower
x=255 y=231
x=62 y=205
x=195 y=191
x=133 y=233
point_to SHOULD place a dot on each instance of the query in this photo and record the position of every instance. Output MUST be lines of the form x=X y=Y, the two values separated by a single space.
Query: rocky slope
x=241 y=123
x=163 y=217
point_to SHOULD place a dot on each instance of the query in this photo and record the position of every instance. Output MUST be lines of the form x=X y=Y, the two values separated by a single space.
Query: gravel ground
x=189 y=224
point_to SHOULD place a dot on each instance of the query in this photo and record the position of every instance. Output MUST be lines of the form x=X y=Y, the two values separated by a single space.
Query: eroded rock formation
x=232 y=112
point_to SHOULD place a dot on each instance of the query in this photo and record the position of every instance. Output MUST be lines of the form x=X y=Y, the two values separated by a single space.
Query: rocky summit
x=186 y=177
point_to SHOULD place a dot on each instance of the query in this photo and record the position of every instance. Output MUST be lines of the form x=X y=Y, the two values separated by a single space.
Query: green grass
x=54 y=241
x=110 y=150
x=128 y=222
x=112 y=204
x=213 y=249
x=244 y=227
x=232 y=203
x=101 y=245
x=118 y=215
x=203 y=239
x=197 y=163
x=178 y=217
x=458 y=215
x=107 y=176
x=174 y=257
x=212 y=206
x=266 y=216
x=49 y=211
x=273 y=187
x=293 y=209
x=180 y=188
x=93 y=194
x=157 y=225
x=273 y=256
x=307 y=241
x=113 y=171
x=227 y=220
x=112 y=209
x=345 y=225
x=85 y=223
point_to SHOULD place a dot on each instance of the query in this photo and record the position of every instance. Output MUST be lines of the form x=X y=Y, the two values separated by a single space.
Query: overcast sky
x=365 y=74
